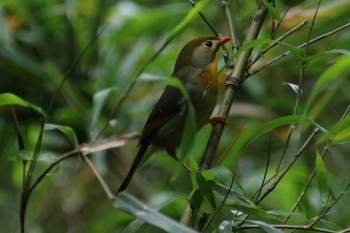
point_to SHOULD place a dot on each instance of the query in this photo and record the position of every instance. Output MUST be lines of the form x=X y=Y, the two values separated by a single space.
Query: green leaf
x=181 y=26
x=99 y=100
x=330 y=224
x=194 y=169
x=318 y=56
x=66 y=130
x=196 y=200
x=256 y=131
x=322 y=179
x=8 y=99
x=337 y=72
x=252 y=44
x=220 y=174
x=206 y=189
x=256 y=211
x=272 y=10
x=24 y=155
x=340 y=132
x=266 y=227
x=135 y=225
x=298 y=52
x=143 y=212
x=235 y=194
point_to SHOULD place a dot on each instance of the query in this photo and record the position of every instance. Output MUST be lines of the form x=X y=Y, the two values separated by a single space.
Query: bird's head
x=200 y=52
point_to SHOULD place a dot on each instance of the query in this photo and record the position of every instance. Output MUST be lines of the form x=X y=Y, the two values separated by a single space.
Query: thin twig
x=290 y=227
x=225 y=5
x=279 y=39
x=210 y=25
x=296 y=157
x=104 y=185
x=321 y=37
x=221 y=205
x=328 y=208
x=27 y=189
x=266 y=169
x=51 y=166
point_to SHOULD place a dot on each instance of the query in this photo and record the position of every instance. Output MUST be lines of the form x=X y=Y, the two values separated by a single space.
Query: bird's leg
x=173 y=155
x=216 y=119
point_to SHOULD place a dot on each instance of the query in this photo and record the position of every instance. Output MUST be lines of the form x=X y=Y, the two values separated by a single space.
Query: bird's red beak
x=224 y=39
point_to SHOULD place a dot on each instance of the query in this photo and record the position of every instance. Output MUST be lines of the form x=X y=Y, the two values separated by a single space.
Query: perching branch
x=234 y=79
x=234 y=76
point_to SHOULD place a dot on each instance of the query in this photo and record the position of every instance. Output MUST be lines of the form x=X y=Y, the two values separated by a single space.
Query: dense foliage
x=75 y=74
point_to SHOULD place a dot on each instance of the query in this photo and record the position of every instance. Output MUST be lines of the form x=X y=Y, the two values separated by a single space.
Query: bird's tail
x=135 y=164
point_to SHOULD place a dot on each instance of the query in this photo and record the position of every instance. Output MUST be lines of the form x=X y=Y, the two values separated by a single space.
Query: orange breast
x=209 y=78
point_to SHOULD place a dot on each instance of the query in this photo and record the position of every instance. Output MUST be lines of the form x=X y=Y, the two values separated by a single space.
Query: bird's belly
x=169 y=135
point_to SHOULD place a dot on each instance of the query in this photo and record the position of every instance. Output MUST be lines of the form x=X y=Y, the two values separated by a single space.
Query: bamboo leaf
x=321 y=55
x=145 y=213
x=266 y=227
x=66 y=130
x=298 y=52
x=337 y=72
x=206 y=189
x=322 y=179
x=255 y=132
x=99 y=100
x=272 y=10
x=256 y=211
x=8 y=99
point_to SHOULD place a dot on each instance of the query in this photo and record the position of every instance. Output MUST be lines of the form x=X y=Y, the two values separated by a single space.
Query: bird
x=196 y=69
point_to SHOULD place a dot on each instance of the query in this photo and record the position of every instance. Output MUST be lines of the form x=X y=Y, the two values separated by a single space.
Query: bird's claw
x=216 y=119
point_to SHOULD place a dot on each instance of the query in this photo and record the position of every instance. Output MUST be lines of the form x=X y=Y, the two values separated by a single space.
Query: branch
x=307 y=185
x=291 y=227
x=296 y=157
x=251 y=73
x=234 y=78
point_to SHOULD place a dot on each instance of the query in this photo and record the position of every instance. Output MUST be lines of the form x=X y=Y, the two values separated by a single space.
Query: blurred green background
x=39 y=42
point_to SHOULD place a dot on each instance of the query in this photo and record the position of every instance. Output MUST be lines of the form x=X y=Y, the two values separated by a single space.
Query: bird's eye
x=208 y=43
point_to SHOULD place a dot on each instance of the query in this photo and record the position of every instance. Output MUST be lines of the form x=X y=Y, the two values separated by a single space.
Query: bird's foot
x=182 y=164
x=216 y=119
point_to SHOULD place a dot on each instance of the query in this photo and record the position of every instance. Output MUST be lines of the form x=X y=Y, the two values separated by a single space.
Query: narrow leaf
x=181 y=26
x=135 y=225
x=99 y=100
x=194 y=169
x=8 y=99
x=294 y=50
x=266 y=227
x=340 y=132
x=272 y=10
x=318 y=56
x=206 y=189
x=196 y=200
x=336 y=72
x=255 y=132
x=141 y=211
x=254 y=43
x=220 y=174
x=322 y=179
x=253 y=210
x=66 y=130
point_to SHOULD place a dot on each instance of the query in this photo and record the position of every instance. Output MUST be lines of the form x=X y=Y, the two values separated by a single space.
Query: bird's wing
x=168 y=105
